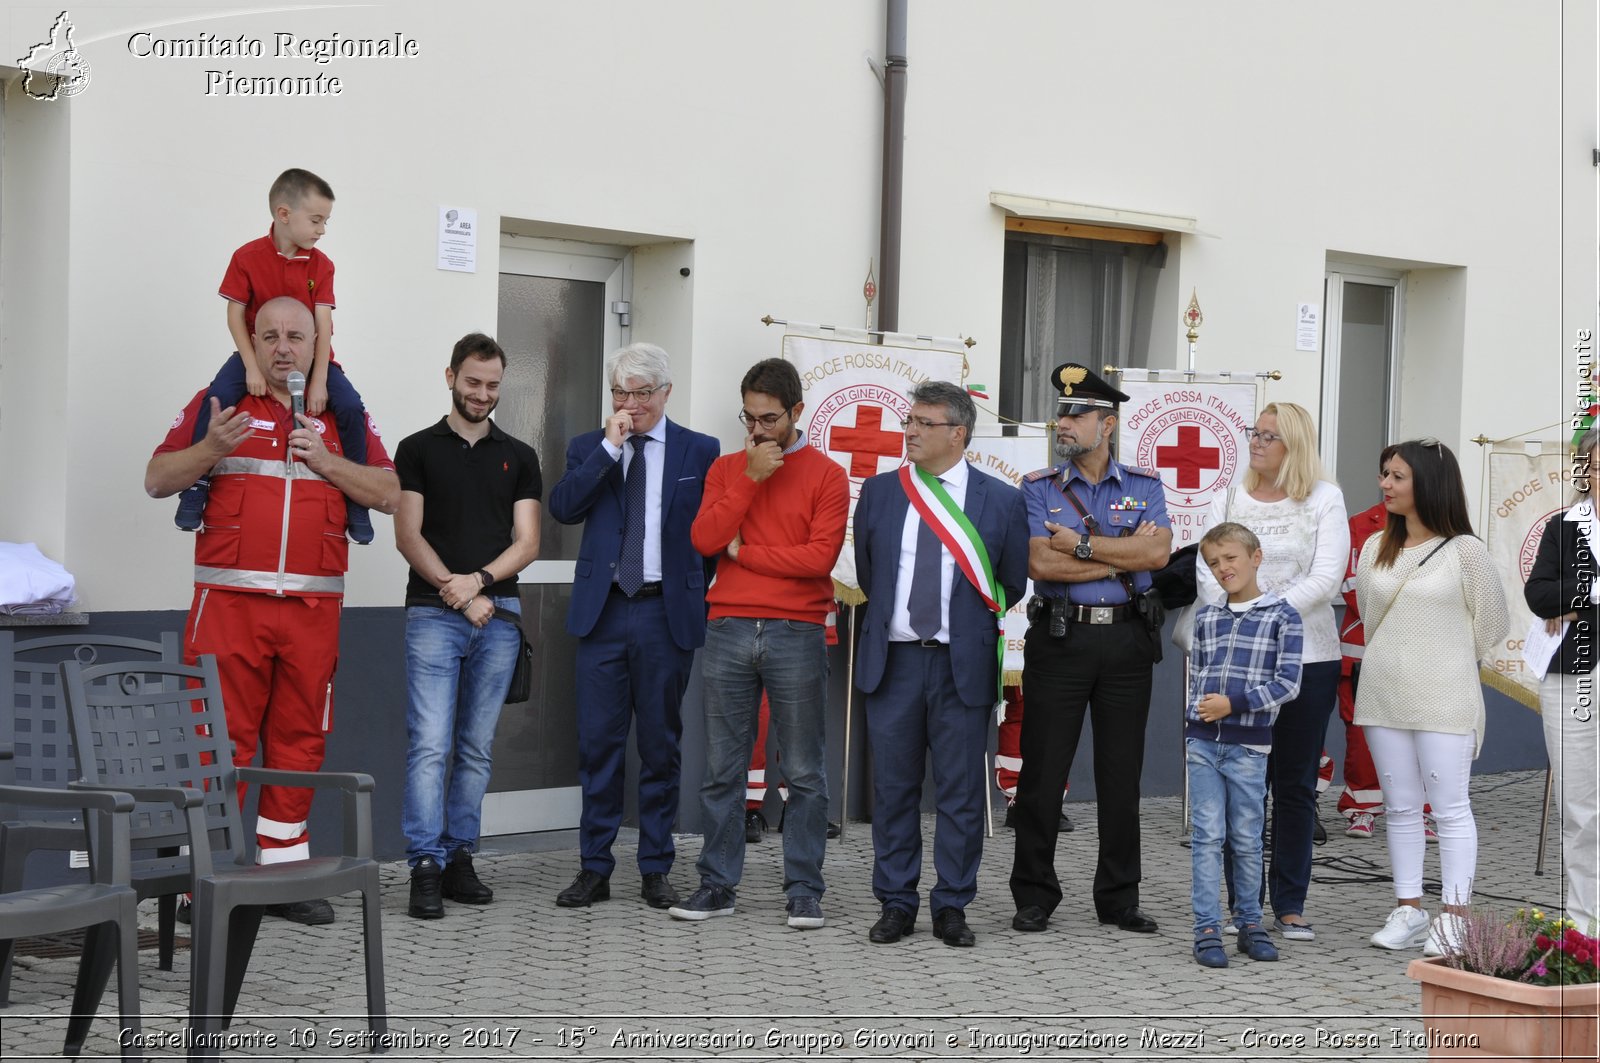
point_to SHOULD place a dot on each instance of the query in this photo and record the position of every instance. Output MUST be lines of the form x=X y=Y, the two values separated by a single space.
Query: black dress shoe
x=657 y=891
x=1131 y=918
x=892 y=925
x=1065 y=826
x=755 y=824
x=308 y=913
x=1011 y=817
x=1030 y=919
x=588 y=887
x=833 y=831
x=950 y=926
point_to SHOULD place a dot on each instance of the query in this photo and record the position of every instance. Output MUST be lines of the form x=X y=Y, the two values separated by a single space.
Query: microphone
x=297 y=396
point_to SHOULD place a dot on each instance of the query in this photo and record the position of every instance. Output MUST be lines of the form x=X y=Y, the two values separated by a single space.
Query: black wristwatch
x=488 y=580
x=1084 y=550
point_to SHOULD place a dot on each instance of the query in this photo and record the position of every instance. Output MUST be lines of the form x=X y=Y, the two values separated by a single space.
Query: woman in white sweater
x=1433 y=608
x=1299 y=517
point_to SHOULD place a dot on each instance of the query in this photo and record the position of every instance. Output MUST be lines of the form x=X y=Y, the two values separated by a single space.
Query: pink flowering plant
x=1529 y=947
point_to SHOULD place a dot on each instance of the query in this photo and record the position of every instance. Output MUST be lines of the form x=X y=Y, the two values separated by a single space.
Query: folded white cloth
x=32 y=584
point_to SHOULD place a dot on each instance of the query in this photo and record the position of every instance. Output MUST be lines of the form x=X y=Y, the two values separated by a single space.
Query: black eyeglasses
x=768 y=421
x=641 y=395
x=1266 y=439
x=923 y=422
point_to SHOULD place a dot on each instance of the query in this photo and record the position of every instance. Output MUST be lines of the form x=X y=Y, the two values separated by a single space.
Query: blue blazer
x=997 y=510
x=590 y=492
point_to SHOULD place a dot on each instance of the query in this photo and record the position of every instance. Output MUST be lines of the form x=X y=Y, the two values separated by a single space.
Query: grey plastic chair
x=105 y=908
x=159 y=732
x=33 y=720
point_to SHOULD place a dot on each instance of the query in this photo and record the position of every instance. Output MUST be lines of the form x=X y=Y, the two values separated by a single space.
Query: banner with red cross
x=855 y=392
x=1529 y=486
x=1191 y=431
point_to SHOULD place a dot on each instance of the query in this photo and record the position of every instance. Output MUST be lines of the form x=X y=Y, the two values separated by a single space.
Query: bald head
x=285 y=340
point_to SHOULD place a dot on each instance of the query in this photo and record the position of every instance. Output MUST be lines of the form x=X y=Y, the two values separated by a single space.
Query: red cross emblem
x=1188 y=457
x=866 y=441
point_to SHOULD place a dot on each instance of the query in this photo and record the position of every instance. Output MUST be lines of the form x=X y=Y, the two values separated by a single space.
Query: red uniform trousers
x=1361 y=792
x=1008 y=748
x=276 y=656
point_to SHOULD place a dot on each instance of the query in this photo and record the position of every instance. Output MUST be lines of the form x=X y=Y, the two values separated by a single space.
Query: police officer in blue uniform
x=1097 y=529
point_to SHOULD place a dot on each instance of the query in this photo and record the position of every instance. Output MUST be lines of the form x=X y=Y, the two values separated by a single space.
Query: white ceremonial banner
x=855 y=397
x=1008 y=459
x=1527 y=487
x=1191 y=432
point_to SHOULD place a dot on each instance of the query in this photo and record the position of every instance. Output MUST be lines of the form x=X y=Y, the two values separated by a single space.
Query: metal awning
x=1021 y=206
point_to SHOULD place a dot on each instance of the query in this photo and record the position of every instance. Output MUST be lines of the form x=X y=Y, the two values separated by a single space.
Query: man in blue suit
x=941 y=549
x=638 y=610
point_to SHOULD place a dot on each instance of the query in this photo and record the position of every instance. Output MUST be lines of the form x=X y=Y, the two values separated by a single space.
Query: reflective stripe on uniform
x=234 y=466
x=278 y=829
x=284 y=855
x=287 y=583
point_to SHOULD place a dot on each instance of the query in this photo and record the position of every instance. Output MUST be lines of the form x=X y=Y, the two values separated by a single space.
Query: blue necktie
x=924 y=600
x=630 y=572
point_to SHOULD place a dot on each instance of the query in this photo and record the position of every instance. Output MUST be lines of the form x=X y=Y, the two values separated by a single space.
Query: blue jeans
x=789 y=660
x=457 y=676
x=1227 y=792
x=1297 y=737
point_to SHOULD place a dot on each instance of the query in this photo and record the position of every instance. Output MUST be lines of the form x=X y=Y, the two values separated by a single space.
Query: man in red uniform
x=1361 y=801
x=269 y=569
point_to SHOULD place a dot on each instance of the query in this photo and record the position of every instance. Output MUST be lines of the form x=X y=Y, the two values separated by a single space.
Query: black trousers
x=1102 y=670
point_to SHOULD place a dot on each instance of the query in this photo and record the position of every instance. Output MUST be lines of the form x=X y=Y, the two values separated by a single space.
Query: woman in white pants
x=1563 y=589
x=1433 y=609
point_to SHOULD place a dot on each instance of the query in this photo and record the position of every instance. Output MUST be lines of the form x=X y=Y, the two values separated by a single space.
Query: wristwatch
x=484 y=575
x=1084 y=550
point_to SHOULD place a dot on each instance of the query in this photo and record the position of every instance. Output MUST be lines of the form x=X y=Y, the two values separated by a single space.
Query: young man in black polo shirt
x=468 y=524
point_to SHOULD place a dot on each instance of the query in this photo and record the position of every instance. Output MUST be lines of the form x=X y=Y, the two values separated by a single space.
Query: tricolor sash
x=940 y=512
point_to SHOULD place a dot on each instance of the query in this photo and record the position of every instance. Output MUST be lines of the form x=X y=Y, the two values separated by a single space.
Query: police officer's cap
x=1082 y=390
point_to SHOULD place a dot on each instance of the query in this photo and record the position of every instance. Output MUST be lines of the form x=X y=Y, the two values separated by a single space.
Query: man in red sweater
x=774 y=517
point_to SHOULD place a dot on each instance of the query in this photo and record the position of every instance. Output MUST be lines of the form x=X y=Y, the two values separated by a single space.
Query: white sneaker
x=1445 y=935
x=1406 y=928
x=1360 y=825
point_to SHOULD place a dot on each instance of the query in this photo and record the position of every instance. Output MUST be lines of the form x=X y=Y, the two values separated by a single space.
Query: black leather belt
x=1099 y=614
x=926 y=643
x=646 y=590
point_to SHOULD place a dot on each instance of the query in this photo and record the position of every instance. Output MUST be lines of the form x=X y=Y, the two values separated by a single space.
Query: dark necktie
x=630 y=573
x=923 y=602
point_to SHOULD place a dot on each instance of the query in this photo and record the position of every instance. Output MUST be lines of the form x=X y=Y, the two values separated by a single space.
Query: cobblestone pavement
x=521 y=978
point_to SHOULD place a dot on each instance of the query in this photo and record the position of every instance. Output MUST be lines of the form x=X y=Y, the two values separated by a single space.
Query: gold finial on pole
x=1194 y=319
x=869 y=291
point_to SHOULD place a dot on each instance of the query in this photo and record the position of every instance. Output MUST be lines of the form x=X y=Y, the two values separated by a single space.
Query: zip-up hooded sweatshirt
x=1253 y=657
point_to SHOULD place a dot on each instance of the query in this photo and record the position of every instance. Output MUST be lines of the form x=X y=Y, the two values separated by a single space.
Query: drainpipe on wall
x=894 y=163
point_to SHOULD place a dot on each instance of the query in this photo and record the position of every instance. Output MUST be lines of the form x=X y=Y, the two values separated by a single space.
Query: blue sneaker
x=192 y=506
x=1209 y=950
x=358 y=523
x=707 y=902
x=805 y=913
x=1255 y=942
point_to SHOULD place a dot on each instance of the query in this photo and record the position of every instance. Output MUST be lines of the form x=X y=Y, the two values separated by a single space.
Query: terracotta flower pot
x=1474 y=1016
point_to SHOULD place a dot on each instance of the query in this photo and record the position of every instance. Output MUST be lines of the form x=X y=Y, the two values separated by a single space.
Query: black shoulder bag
x=522 y=675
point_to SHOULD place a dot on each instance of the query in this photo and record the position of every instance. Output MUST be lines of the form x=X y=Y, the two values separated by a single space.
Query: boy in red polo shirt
x=286 y=262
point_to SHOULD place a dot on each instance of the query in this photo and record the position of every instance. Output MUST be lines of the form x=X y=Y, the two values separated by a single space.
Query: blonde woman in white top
x=1433 y=608
x=1299 y=516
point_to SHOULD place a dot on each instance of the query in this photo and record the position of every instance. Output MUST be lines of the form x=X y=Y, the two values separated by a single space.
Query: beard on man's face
x=466 y=411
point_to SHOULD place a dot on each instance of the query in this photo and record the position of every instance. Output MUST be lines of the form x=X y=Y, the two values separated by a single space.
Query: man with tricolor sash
x=941 y=548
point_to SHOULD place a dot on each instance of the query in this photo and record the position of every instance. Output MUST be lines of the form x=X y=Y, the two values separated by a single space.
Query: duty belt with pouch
x=1146 y=605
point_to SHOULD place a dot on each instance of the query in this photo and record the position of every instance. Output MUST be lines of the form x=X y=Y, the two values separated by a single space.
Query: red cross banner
x=1528 y=487
x=855 y=397
x=1008 y=459
x=1191 y=431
